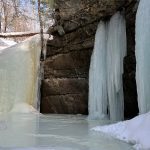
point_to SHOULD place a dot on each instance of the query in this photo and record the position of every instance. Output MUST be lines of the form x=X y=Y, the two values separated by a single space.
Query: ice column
x=97 y=75
x=106 y=69
x=116 y=50
x=143 y=55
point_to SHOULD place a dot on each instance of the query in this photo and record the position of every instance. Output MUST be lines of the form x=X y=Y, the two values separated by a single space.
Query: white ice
x=106 y=69
x=116 y=51
x=23 y=107
x=97 y=76
x=53 y=132
x=143 y=55
x=19 y=74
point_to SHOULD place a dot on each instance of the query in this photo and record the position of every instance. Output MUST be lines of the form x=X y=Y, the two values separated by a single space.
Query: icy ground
x=30 y=131
x=135 y=131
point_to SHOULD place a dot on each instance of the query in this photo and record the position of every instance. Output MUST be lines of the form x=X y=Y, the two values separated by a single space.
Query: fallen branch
x=17 y=34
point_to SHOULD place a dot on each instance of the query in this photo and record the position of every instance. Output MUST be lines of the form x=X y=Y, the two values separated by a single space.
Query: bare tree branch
x=17 y=34
x=41 y=28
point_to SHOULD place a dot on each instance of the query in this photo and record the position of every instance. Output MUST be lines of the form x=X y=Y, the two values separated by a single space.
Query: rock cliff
x=65 y=84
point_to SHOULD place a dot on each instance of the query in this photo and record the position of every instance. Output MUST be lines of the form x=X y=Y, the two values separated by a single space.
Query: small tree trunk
x=41 y=28
x=17 y=34
x=0 y=23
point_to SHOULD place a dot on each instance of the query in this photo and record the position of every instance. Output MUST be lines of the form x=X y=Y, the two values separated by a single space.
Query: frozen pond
x=54 y=132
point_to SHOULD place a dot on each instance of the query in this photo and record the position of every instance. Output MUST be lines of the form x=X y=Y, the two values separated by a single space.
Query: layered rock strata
x=65 y=84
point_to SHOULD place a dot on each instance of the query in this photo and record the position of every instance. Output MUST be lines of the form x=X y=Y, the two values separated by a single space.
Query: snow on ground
x=135 y=131
x=6 y=43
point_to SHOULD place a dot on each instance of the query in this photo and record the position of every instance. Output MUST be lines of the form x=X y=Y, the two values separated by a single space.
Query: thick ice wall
x=143 y=55
x=19 y=70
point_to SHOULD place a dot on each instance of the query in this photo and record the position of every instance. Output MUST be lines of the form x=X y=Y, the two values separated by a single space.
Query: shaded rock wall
x=65 y=85
x=130 y=91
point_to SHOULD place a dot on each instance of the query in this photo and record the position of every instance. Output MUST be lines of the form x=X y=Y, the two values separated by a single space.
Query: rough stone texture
x=65 y=84
x=72 y=14
x=65 y=104
x=68 y=65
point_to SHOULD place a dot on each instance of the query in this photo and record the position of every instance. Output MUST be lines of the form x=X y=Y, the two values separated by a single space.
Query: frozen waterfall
x=116 y=50
x=143 y=55
x=106 y=69
x=19 y=75
x=97 y=75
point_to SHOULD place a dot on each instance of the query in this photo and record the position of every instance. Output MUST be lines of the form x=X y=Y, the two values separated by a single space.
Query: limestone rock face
x=65 y=84
x=76 y=13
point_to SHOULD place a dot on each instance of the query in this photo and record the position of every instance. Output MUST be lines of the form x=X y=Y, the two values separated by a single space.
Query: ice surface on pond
x=106 y=69
x=143 y=55
x=19 y=74
x=53 y=132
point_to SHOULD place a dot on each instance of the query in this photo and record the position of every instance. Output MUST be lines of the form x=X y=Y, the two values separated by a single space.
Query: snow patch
x=8 y=42
x=135 y=131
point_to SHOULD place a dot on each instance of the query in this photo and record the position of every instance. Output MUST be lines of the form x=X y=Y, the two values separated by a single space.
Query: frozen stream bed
x=53 y=132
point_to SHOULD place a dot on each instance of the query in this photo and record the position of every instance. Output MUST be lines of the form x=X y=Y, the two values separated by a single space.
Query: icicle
x=97 y=76
x=19 y=70
x=143 y=55
x=116 y=50
x=106 y=69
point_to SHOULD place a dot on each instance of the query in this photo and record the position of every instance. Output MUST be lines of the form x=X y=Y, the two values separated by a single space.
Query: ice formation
x=116 y=50
x=106 y=68
x=135 y=131
x=19 y=74
x=143 y=55
x=23 y=108
x=97 y=76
